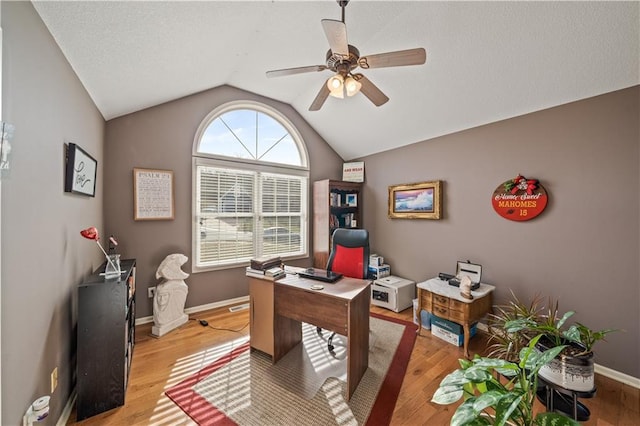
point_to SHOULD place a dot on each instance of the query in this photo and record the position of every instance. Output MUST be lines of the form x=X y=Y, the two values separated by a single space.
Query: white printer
x=393 y=293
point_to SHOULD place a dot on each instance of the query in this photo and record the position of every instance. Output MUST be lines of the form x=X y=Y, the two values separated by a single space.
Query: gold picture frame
x=421 y=200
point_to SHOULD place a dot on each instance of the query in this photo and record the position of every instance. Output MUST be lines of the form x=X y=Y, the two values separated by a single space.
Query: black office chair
x=350 y=257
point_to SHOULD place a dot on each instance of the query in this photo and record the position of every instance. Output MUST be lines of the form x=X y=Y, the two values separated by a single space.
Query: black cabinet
x=106 y=336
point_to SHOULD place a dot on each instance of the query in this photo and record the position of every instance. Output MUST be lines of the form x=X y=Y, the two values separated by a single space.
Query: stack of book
x=266 y=269
x=270 y=274
x=264 y=263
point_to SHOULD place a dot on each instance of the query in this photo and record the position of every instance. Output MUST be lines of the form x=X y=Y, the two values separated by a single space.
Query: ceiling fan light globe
x=335 y=82
x=352 y=86
x=337 y=93
x=335 y=85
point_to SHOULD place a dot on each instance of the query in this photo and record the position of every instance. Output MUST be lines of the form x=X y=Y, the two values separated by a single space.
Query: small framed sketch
x=80 y=171
x=153 y=194
x=352 y=200
x=416 y=201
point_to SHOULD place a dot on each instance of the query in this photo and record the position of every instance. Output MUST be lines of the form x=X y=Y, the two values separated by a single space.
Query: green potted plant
x=573 y=368
x=499 y=392
x=507 y=345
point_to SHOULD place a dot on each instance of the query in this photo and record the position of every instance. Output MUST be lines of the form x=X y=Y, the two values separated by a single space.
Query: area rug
x=306 y=387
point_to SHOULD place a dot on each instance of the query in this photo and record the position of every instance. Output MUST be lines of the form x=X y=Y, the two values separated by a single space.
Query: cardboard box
x=376 y=260
x=381 y=271
x=450 y=331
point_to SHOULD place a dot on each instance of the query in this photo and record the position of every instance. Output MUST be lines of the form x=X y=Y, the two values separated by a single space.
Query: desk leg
x=466 y=339
x=357 y=341
x=287 y=333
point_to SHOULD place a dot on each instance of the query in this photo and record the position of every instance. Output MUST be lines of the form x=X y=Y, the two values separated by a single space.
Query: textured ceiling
x=486 y=61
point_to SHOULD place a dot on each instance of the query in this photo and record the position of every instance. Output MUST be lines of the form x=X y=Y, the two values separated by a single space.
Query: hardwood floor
x=161 y=363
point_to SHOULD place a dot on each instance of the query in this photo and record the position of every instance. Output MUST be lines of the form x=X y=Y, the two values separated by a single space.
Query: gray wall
x=44 y=257
x=582 y=250
x=162 y=138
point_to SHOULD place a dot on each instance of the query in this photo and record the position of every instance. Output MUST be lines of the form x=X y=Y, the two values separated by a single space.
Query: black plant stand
x=557 y=398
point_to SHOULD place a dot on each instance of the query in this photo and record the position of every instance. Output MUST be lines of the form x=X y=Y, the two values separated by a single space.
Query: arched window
x=250 y=169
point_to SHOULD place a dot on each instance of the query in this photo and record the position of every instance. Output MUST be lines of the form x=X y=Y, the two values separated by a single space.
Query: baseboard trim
x=193 y=310
x=617 y=376
x=66 y=412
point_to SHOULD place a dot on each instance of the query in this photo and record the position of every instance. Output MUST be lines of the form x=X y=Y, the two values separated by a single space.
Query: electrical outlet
x=151 y=291
x=54 y=379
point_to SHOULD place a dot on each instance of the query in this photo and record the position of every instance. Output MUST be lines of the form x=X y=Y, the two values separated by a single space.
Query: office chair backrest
x=350 y=252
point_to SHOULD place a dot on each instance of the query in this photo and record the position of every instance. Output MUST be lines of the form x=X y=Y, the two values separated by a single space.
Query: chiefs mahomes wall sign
x=519 y=199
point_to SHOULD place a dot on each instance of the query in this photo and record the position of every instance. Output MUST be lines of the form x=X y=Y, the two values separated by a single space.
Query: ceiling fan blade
x=394 y=59
x=371 y=91
x=298 y=70
x=322 y=96
x=336 y=32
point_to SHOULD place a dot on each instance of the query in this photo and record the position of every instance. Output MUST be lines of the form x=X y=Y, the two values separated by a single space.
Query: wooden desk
x=342 y=307
x=444 y=301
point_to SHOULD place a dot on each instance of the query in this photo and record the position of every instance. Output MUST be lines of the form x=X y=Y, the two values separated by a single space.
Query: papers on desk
x=292 y=270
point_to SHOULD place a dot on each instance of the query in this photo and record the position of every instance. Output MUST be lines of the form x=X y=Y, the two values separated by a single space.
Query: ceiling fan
x=343 y=59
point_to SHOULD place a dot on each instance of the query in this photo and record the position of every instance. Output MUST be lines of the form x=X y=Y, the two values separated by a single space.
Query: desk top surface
x=345 y=288
x=436 y=285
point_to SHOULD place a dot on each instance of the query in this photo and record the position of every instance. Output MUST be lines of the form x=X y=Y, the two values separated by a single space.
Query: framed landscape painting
x=416 y=200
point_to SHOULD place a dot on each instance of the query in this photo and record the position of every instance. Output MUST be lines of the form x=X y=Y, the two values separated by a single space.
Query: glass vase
x=113 y=266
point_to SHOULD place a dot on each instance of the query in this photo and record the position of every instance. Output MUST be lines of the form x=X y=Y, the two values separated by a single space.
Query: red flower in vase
x=90 y=233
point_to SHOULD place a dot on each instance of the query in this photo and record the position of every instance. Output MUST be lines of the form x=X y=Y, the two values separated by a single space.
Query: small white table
x=444 y=300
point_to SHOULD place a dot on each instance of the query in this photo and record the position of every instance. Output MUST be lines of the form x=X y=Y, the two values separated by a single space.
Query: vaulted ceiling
x=486 y=61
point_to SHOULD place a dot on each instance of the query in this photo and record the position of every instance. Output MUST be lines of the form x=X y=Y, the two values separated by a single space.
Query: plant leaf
x=447 y=394
x=536 y=360
x=513 y=326
x=477 y=375
x=573 y=333
x=495 y=363
x=564 y=318
x=465 y=363
x=554 y=419
x=489 y=399
x=465 y=414
x=457 y=378
x=506 y=407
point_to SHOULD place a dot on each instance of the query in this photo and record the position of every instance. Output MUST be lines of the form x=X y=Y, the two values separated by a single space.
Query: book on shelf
x=334 y=200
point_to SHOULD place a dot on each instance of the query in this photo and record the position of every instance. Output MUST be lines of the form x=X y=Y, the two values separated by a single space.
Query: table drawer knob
x=439 y=310
x=441 y=299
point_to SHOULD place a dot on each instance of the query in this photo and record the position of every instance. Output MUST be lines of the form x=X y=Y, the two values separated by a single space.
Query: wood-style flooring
x=160 y=363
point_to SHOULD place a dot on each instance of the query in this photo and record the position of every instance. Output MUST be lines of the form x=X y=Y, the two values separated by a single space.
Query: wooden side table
x=444 y=300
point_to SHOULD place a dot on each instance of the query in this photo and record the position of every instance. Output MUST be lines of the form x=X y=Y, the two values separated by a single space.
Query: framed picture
x=153 y=194
x=416 y=201
x=80 y=171
x=352 y=200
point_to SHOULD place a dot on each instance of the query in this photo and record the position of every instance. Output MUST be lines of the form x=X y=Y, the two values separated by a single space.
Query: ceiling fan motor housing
x=334 y=61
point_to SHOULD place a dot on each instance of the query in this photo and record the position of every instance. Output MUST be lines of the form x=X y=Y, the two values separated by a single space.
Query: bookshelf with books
x=336 y=204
